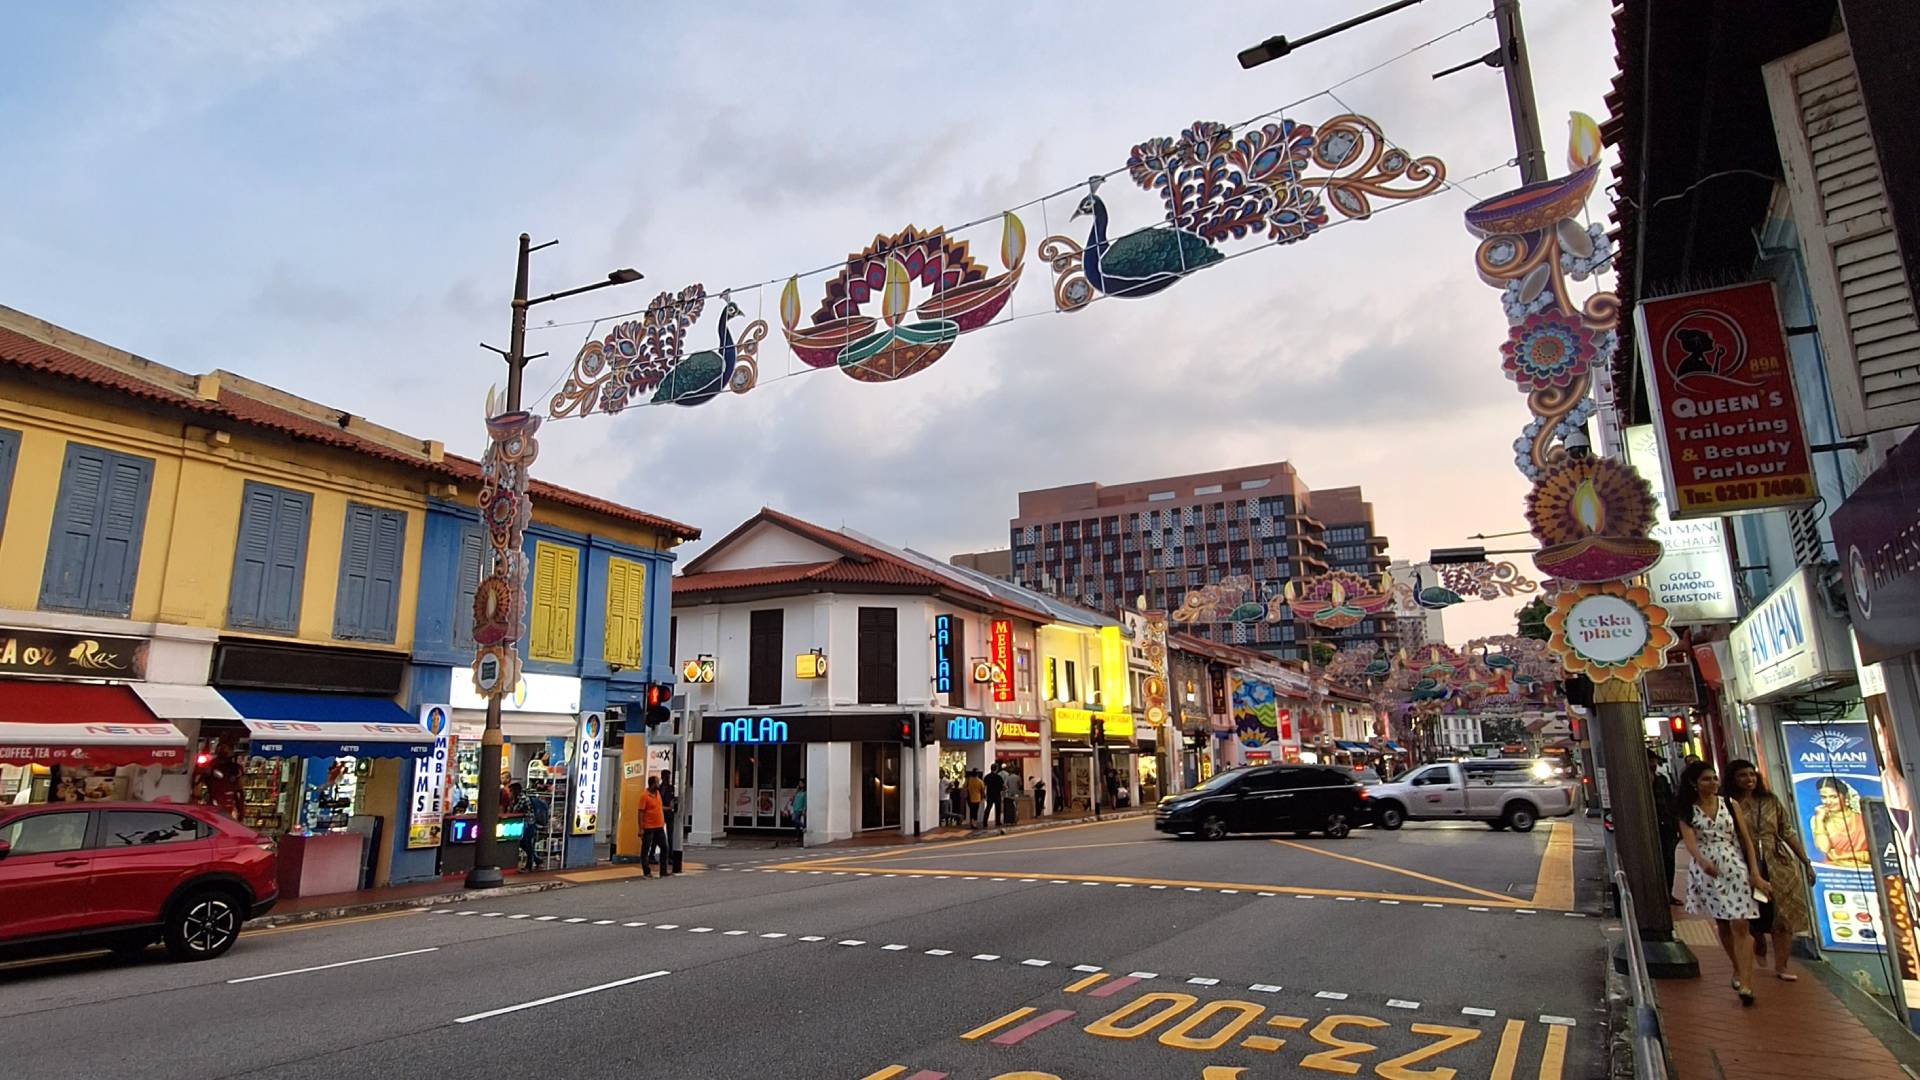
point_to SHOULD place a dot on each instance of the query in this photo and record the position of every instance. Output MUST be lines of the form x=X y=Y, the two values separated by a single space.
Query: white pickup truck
x=1506 y=793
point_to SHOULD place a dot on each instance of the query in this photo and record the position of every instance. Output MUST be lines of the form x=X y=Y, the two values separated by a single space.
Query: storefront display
x=1833 y=769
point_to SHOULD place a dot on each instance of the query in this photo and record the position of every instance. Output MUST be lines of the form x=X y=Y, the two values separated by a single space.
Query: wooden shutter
x=566 y=605
x=356 y=559
x=372 y=555
x=540 y=603
x=9 y=454
x=765 y=662
x=1863 y=302
x=93 y=549
x=471 y=551
x=389 y=556
x=269 y=558
x=626 y=601
x=879 y=656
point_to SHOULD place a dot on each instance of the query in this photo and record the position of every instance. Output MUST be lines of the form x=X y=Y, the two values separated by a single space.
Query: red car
x=120 y=875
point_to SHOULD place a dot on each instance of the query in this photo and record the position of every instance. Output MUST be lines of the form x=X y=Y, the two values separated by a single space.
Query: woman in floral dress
x=1783 y=862
x=1722 y=880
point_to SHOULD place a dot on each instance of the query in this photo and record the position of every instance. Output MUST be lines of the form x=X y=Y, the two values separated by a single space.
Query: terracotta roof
x=836 y=572
x=25 y=353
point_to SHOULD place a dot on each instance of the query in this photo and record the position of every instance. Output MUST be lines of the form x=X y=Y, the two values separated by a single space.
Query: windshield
x=1219 y=781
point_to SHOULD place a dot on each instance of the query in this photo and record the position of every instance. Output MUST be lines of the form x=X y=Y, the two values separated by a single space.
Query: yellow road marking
x=992 y=1026
x=918 y=849
x=318 y=923
x=1009 y=851
x=1509 y=1052
x=1555 y=1055
x=1081 y=984
x=1303 y=890
x=887 y=1073
x=1430 y=879
x=1554 y=887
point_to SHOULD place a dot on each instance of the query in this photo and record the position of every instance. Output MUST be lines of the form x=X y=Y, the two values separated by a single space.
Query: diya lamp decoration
x=1336 y=600
x=1592 y=517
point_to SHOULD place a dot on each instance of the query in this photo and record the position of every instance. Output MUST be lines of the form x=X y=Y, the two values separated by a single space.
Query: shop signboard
x=1782 y=644
x=1000 y=653
x=53 y=654
x=430 y=774
x=1832 y=770
x=533 y=693
x=1117 y=726
x=1723 y=402
x=949 y=641
x=965 y=729
x=1694 y=578
x=659 y=759
x=588 y=748
x=1015 y=731
x=1877 y=535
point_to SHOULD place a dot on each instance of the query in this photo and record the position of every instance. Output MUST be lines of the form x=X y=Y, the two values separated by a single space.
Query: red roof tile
x=834 y=573
x=25 y=353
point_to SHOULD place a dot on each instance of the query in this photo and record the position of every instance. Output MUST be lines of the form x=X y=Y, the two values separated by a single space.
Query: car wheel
x=1390 y=816
x=203 y=924
x=1337 y=827
x=1520 y=817
x=1212 y=827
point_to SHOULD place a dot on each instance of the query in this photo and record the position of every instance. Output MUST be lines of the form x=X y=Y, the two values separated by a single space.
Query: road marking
x=1553 y=888
x=1478 y=909
x=853 y=943
x=811 y=937
x=1263 y=1042
x=996 y=1024
x=700 y=930
x=1401 y=870
x=1430 y=903
x=622 y=924
x=1347 y=898
x=1555 y=1055
x=1397 y=1003
x=1269 y=894
x=546 y=918
x=341 y=964
x=939 y=952
x=524 y=916
x=736 y=933
x=609 y=922
x=887 y=1073
x=576 y=920
x=1035 y=963
x=1113 y=987
x=1197 y=981
x=986 y=956
x=1331 y=995
x=1264 y=988
x=1038 y=1024
x=1156 y=886
x=1230 y=892
x=1526 y=911
x=1078 y=985
x=1192 y=888
x=1508 y=1055
x=1390 y=901
x=1558 y=1021
x=536 y=1003
x=1142 y=975
x=1088 y=967
x=1473 y=1011
x=893 y=948
x=666 y=926
x=466 y=913
x=921 y=850
x=773 y=935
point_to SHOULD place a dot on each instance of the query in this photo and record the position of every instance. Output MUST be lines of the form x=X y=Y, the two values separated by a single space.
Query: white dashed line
x=609 y=922
x=894 y=948
x=1156 y=887
x=1349 y=899
x=1396 y=1003
x=1230 y=892
x=576 y=919
x=1574 y=914
x=1473 y=1011
x=1301 y=896
x=700 y=930
x=986 y=956
x=1142 y=975
x=1088 y=969
x=1196 y=981
x=1433 y=905
x=1191 y=888
x=736 y=933
x=1123 y=885
x=1035 y=963
x=939 y=952
x=1269 y=894
x=1392 y=902
x=633 y=924
x=1558 y=1021
x=1526 y=911
x=812 y=937
x=1264 y=988
x=772 y=936
x=1331 y=995
x=493 y=914
x=1478 y=909
x=523 y=916
x=666 y=926
x=546 y=918
x=853 y=943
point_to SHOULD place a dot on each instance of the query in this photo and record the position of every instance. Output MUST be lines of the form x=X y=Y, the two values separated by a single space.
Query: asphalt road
x=1079 y=952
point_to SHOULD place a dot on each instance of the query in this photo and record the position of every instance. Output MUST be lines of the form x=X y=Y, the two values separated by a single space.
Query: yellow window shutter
x=540 y=603
x=614 y=649
x=635 y=615
x=626 y=601
x=566 y=586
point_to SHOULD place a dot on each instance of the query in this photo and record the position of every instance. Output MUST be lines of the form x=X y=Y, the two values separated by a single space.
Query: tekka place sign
x=1608 y=631
x=54 y=655
x=1723 y=401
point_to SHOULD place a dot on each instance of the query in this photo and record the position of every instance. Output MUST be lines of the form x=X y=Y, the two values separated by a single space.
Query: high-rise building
x=1252 y=528
x=1353 y=545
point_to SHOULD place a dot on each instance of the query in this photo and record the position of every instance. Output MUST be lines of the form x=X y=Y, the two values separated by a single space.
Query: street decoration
x=1337 y=599
x=1592 y=516
x=1430 y=673
x=1218 y=187
x=1154 y=649
x=964 y=298
x=1456 y=583
x=1527 y=662
x=1227 y=600
x=1609 y=630
x=1358 y=667
x=1257 y=713
x=646 y=356
x=500 y=600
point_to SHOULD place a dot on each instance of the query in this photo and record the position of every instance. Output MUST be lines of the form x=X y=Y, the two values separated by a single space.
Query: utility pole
x=1519 y=77
x=486 y=856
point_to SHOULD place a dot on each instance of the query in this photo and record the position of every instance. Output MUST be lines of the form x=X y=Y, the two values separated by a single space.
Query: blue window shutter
x=269 y=558
x=471 y=551
x=383 y=597
x=93 y=548
x=372 y=552
x=9 y=453
x=356 y=558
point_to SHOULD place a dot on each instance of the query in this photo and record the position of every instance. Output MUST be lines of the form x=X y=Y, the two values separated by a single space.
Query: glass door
x=760 y=783
x=879 y=786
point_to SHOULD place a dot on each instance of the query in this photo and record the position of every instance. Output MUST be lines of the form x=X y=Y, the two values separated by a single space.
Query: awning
x=327 y=725
x=53 y=723
x=178 y=701
x=1350 y=746
x=1395 y=747
x=469 y=723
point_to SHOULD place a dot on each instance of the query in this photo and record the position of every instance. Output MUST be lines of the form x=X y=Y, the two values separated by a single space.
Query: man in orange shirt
x=653 y=829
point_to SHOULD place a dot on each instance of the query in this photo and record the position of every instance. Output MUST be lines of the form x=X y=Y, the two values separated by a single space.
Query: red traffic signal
x=1677 y=726
x=659 y=707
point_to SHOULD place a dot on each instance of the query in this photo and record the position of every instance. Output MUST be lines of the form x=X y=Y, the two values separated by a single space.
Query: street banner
x=1877 y=535
x=589 y=748
x=1832 y=770
x=1723 y=401
x=427 y=815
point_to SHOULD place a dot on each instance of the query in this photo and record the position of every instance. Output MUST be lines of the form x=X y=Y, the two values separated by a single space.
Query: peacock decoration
x=1433 y=596
x=645 y=359
x=1217 y=187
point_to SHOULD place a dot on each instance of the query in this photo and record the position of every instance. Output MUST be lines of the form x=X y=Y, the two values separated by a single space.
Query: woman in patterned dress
x=1722 y=880
x=1783 y=862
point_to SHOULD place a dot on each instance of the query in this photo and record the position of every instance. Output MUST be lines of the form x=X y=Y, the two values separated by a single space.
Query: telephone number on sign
x=1749 y=490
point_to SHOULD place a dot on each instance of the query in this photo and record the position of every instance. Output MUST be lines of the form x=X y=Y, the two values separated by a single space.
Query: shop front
x=541 y=723
x=1092 y=749
x=748 y=768
x=1016 y=744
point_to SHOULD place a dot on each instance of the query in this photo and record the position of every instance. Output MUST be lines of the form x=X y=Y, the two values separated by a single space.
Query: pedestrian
x=976 y=798
x=996 y=785
x=653 y=828
x=1669 y=826
x=1723 y=884
x=797 y=811
x=1782 y=861
x=957 y=801
x=1113 y=788
x=1039 y=797
x=670 y=804
x=533 y=812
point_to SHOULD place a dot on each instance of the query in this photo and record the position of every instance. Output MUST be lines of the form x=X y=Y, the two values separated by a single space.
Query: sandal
x=1786 y=976
x=1746 y=997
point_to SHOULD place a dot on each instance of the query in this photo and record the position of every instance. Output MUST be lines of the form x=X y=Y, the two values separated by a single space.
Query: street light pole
x=486 y=856
x=1519 y=77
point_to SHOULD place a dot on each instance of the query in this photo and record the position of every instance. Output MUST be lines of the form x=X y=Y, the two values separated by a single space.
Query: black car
x=1300 y=799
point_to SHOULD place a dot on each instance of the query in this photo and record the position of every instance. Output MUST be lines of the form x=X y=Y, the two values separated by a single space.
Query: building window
x=270 y=559
x=766 y=656
x=93 y=550
x=626 y=611
x=373 y=544
x=879 y=656
x=1071 y=688
x=1207 y=489
x=9 y=453
x=1023 y=671
x=554 y=607
x=471 y=552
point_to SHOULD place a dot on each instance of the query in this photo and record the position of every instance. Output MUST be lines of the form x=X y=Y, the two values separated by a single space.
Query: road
x=1076 y=952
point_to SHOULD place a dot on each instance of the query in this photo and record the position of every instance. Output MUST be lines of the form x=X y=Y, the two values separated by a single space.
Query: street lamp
x=486 y=856
x=1278 y=46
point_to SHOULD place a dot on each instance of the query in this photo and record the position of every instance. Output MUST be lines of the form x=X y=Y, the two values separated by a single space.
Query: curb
x=342 y=911
x=1050 y=823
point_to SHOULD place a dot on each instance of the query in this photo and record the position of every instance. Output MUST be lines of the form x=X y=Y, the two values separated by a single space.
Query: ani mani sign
x=1723 y=401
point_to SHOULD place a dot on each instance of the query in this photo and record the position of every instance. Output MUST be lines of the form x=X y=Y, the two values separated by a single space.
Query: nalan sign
x=765 y=729
x=1000 y=651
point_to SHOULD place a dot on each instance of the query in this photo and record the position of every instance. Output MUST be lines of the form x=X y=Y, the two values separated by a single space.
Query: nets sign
x=1723 y=401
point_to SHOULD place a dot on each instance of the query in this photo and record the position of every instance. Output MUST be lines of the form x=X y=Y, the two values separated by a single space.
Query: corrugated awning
x=177 y=701
x=52 y=723
x=327 y=725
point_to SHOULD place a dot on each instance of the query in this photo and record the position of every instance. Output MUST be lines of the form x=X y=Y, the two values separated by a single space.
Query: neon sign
x=747 y=730
x=966 y=729
x=1000 y=652
x=947 y=636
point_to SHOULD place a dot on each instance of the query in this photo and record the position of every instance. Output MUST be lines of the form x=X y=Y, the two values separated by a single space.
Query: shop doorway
x=760 y=783
x=879 y=786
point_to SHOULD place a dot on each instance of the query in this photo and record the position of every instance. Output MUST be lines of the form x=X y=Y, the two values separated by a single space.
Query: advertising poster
x=1833 y=769
x=430 y=776
x=1723 y=401
x=588 y=750
x=1891 y=878
x=1256 y=712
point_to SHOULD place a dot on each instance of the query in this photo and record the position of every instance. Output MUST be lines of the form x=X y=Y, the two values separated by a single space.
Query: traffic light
x=905 y=730
x=1677 y=727
x=659 y=711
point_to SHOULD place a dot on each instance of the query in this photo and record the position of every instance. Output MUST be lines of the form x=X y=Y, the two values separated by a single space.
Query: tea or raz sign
x=1608 y=631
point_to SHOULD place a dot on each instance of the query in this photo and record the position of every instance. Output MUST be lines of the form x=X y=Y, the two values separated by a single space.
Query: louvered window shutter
x=472 y=551
x=1862 y=299
x=566 y=578
x=540 y=606
x=613 y=646
x=9 y=453
x=93 y=548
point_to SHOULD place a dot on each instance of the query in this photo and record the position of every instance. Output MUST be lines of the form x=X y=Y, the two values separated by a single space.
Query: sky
x=326 y=196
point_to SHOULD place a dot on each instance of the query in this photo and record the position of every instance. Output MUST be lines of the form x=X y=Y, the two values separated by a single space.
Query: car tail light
x=1365 y=794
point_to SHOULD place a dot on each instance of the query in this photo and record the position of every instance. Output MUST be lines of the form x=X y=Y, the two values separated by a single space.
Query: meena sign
x=1723 y=401
x=1000 y=653
x=1608 y=631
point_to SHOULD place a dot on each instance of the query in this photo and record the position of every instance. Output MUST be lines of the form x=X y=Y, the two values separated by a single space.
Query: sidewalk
x=448 y=890
x=1797 y=1031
